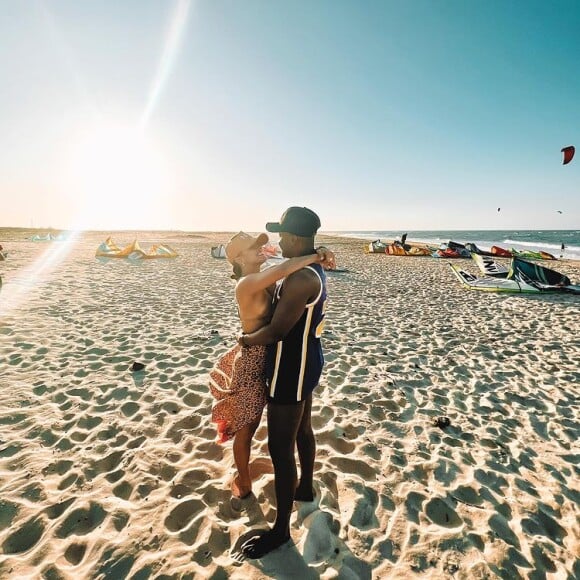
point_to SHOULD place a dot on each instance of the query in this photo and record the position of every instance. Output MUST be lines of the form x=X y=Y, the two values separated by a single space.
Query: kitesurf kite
x=568 y=154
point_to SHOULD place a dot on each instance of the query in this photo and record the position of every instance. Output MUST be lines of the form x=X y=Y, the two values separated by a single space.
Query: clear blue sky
x=414 y=114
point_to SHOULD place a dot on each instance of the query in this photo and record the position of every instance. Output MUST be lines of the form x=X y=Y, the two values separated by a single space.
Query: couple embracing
x=277 y=362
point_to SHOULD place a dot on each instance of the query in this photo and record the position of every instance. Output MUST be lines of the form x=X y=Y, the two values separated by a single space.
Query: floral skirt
x=237 y=382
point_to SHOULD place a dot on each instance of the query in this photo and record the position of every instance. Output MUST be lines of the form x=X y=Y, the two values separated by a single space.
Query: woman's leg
x=242 y=484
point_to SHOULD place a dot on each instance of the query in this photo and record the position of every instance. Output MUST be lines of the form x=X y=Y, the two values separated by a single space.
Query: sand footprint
x=56 y=510
x=8 y=511
x=75 y=553
x=542 y=524
x=129 y=408
x=82 y=521
x=60 y=467
x=34 y=492
x=115 y=565
x=25 y=537
x=178 y=491
x=413 y=505
x=107 y=464
x=217 y=544
x=178 y=429
x=467 y=495
x=321 y=543
x=123 y=490
x=192 y=399
x=364 y=514
x=501 y=528
x=355 y=467
x=183 y=514
x=440 y=513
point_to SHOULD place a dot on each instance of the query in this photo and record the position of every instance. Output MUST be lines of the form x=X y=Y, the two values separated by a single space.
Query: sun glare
x=119 y=180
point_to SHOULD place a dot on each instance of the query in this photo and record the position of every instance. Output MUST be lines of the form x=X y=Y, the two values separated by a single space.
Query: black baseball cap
x=299 y=221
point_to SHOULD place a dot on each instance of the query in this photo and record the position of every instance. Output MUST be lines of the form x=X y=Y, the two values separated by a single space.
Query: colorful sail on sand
x=523 y=277
x=108 y=249
x=398 y=248
x=490 y=267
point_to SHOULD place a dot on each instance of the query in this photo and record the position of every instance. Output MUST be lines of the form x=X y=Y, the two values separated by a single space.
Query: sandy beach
x=109 y=473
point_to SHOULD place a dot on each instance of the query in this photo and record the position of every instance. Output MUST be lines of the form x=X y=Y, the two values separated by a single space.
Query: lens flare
x=16 y=290
x=168 y=57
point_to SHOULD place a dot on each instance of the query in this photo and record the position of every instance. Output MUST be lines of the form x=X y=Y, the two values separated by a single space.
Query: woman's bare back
x=255 y=309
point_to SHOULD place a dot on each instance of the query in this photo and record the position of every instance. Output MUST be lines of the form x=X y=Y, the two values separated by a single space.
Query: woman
x=237 y=380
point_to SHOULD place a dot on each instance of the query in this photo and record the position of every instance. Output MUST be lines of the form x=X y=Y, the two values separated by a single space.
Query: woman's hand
x=326 y=258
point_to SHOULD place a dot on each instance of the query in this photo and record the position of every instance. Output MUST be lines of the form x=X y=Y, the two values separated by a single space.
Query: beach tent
x=108 y=249
x=218 y=251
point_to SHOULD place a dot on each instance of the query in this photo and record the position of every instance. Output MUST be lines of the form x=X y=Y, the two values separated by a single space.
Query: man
x=293 y=368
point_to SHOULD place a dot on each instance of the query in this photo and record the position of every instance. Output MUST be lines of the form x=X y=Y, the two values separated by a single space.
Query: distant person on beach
x=293 y=368
x=238 y=380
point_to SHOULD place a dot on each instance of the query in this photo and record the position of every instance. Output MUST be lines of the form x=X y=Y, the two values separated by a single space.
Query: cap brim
x=261 y=240
x=274 y=227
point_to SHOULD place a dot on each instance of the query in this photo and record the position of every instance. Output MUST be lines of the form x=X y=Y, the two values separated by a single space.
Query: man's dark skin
x=289 y=425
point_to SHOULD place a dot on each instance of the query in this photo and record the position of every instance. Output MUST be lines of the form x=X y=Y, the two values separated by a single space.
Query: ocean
x=547 y=240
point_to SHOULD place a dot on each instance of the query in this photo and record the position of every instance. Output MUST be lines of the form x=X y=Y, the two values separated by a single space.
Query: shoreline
x=8 y=234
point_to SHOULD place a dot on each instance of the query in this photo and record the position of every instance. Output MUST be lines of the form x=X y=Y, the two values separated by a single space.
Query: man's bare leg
x=242 y=484
x=283 y=424
x=306 y=452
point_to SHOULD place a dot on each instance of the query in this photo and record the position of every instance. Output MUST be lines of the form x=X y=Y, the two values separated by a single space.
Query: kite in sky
x=568 y=154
